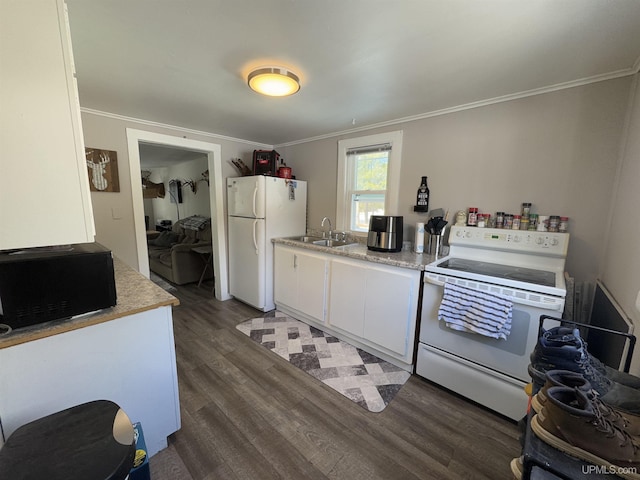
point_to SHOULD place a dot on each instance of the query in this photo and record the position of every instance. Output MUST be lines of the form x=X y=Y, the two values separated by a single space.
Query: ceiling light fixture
x=274 y=81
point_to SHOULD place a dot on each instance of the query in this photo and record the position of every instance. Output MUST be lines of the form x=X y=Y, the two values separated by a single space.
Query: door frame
x=216 y=189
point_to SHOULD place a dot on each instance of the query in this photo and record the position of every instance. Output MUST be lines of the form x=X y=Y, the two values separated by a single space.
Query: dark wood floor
x=248 y=414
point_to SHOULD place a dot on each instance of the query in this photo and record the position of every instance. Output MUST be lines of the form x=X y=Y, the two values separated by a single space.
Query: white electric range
x=526 y=267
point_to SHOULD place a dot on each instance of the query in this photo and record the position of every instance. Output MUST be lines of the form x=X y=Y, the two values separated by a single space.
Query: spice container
x=543 y=223
x=472 y=218
x=508 y=221
x=515 y=224
x=499 y=219
x=524 y=223
x=481 y=221
x=563 y=226
x=533 y=221
x=526 y=210
x=554 y=223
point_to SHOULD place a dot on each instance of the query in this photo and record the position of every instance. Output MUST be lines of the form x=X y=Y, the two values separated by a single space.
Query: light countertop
x=411 y=260
x=135 y=293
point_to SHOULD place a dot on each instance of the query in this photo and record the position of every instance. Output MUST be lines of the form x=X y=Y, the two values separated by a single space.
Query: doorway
x=218 y=231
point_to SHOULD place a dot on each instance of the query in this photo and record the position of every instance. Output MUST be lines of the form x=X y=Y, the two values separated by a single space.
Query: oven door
x=509 y=357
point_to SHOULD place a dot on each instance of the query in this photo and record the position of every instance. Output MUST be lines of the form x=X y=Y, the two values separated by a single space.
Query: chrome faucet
x=326 y=219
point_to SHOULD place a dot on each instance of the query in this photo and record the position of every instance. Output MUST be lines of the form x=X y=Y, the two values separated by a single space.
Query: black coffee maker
x=385 y=233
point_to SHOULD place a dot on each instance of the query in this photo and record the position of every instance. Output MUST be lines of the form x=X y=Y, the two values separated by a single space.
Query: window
x=368 y=179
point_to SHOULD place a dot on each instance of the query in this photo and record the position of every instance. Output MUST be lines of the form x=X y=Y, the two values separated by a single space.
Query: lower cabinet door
x=300 y=281
x=312 y=275
x=347 y=296
x=285 y=277
x=389 y=308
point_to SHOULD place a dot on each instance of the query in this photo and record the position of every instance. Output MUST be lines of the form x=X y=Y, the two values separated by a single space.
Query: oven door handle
x=541 y=305
x=430 y=280
x=557 y=306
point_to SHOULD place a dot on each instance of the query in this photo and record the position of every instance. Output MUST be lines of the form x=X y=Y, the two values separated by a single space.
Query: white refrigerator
x=260 y=208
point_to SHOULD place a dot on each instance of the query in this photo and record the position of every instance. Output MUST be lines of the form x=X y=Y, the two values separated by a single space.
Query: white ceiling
x=361 y=62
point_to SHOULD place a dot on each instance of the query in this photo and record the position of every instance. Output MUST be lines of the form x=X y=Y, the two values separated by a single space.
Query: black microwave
x=42 y=284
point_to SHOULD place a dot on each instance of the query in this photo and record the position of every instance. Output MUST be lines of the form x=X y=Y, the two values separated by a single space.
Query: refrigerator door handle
x=255 y=197
x=255 y=239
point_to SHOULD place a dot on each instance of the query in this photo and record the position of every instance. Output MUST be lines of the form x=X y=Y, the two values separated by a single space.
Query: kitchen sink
x=307 y=239
x=324 y=242
x=332 y=243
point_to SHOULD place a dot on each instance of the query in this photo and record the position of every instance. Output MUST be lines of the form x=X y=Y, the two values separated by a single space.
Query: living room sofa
x=171 y=255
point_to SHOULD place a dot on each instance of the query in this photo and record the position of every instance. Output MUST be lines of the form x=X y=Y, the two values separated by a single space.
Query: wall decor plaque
x=102 y=167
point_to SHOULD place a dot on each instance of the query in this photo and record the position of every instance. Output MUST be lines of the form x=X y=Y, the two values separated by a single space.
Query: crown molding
x=482 y=103
x=189 y=131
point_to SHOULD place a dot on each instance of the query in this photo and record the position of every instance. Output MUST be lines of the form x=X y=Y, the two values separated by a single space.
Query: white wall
x=621 y=271
x=113 y=212
x=558 y=151
x=192 y=203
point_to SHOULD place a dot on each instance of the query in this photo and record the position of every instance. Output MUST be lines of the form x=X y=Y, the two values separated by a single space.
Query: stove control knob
x=539 y=240
x=554 y=241
x=517 y=238
x=459 y=233
x=468 y=234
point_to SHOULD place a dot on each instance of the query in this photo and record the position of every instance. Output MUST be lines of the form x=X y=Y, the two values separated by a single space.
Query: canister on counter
x=419 y=243
x=461 y=218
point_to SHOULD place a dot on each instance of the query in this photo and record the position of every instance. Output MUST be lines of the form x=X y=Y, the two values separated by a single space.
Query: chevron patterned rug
x=361 y=377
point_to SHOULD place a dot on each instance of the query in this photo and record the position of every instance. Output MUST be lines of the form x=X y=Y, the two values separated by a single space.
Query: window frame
x=343 y=204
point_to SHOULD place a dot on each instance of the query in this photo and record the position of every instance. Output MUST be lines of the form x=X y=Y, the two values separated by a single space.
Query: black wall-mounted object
x=607 y=314
x=175 y=191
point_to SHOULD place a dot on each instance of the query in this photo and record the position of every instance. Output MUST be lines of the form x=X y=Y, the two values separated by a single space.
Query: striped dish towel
x=469 y=310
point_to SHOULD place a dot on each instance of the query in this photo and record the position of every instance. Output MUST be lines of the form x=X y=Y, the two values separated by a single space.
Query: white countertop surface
x=411 y=260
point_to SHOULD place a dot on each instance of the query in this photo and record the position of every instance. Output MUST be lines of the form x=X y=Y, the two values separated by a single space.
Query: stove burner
x=520 y=274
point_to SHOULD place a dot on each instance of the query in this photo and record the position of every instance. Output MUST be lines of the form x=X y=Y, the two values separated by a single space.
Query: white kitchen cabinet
x=377 y=303
x=45 y=198
x=300 y=281
x=347 y=292
x=370 y=305
x=390 y=308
